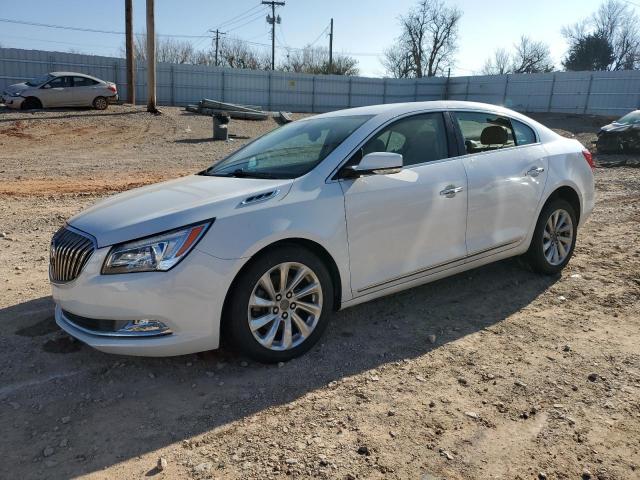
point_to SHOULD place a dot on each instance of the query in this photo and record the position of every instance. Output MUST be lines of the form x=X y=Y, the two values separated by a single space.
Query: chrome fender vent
x=260 y=197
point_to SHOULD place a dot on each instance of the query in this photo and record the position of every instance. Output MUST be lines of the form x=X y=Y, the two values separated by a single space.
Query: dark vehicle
x=621 y=136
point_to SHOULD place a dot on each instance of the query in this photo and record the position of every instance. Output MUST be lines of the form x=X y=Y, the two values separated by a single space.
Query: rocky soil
x=495 y=373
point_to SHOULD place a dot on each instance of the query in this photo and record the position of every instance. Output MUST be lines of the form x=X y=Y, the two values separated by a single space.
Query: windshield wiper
x=239 y=173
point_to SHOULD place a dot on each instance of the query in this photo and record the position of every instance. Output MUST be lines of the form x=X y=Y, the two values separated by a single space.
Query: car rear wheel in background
x=554 y=238
x=280 y=304
x=31 y=103
x=100 y=103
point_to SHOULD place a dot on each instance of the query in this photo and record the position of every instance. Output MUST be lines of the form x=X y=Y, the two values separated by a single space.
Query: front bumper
x=187 y=299
x=11 y=101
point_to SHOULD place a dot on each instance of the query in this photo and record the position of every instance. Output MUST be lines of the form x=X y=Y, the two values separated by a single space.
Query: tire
x=100 y=103
x=548 y=239
x=289 y=338
x=31 y=103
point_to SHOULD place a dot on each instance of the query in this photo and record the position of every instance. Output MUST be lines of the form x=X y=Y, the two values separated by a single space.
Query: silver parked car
x=61 y=89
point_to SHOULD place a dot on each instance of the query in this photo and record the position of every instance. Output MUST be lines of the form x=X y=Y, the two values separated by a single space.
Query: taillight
x=589 y=158
x=113 y=88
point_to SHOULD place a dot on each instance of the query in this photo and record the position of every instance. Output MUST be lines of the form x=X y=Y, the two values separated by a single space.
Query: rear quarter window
x=523 y=133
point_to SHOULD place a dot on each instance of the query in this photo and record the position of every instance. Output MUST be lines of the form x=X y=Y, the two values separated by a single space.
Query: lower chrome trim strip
x=450 y=263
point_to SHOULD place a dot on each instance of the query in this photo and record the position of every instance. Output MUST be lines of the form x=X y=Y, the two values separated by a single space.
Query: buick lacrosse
x=318 y=215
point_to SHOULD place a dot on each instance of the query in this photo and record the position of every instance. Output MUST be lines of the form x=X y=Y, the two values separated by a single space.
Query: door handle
x=450 y=191
x=534 y=172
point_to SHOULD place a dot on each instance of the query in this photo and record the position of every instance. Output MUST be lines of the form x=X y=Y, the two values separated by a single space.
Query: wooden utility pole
x=218 y=33
x=273 y=20
x=331 y=47
x=151 y=59
x=129 y=46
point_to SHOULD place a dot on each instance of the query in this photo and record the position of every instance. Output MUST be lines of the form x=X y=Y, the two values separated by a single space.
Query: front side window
x=289 y=151
x=484 y=131
x=419 y=139
x=60 y=82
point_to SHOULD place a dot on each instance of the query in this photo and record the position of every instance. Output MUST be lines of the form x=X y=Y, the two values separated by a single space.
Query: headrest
x=493 y=135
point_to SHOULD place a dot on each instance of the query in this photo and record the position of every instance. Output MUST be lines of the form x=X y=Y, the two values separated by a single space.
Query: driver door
x=56 y=92
x=403 y=225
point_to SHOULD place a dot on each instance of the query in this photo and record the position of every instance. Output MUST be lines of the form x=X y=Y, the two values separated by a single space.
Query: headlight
x=158 y=253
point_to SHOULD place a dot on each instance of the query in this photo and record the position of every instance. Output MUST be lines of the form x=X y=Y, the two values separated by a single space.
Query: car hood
x=17 y=88
x=164 y=206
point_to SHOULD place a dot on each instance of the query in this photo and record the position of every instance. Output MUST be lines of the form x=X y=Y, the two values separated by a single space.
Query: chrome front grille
x=69 y=253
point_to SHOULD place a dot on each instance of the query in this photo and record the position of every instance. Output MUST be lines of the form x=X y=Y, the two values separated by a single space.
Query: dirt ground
x=495 y=373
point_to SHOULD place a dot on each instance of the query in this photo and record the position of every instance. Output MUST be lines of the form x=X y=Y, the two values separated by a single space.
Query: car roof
x=400 y=108
x=390 y=110
x=73 y=74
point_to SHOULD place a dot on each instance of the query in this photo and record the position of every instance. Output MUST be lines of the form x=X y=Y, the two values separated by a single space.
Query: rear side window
x=419 y=139
x=524 y=134
x=485 y=131
x=83 y=82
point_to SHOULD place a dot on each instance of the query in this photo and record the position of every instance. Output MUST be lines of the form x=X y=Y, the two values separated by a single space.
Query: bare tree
x=498 y=64
x=531 y=56
x=398 y=62
x=316 y=61
x=528 y=56
x=234 y=53
x=428 y=41
x=615 y=23
x=168 y=50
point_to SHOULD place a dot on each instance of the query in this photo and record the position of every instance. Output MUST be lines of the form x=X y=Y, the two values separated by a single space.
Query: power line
x=319 y=36
x=115 y=32
x=90 y=30
x=249 y=20
x=239 y=17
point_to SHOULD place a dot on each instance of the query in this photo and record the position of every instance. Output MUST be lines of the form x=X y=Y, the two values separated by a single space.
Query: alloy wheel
x=285 y=306
x=557 y=238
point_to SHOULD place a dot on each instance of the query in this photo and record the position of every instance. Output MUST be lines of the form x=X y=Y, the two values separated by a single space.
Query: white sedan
x=319 y=215
x=60 y=89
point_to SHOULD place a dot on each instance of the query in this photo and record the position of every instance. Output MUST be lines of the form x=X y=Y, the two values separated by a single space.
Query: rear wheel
x=280 y=304
x=554 y=238
x=100 y=103
x=31 y=103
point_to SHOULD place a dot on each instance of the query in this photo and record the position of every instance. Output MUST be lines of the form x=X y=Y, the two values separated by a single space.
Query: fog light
x=145 y=326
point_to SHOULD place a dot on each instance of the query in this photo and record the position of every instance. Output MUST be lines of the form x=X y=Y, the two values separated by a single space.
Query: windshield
x=289 y=151
x=39 y=80
x=630 y=118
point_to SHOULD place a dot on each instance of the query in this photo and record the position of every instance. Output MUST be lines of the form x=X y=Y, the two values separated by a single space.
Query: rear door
x=84 y=91
x=402 y=225
x=507 y=170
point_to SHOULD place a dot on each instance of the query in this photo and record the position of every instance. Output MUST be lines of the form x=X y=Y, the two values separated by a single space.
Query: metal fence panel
x=603 y=93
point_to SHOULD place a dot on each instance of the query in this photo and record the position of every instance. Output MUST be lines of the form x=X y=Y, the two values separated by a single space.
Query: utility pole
x=151 y=58
x=218 y=33
x=273 y=20
x=131 y=62
x=331 y=48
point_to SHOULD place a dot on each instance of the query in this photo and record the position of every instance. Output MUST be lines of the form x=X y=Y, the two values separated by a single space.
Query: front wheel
x=31 y=103
x=554 y=238
x=280 y=304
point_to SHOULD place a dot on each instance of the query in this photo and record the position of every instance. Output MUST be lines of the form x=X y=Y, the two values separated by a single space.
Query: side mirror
x=375 y=163
x=45 y=86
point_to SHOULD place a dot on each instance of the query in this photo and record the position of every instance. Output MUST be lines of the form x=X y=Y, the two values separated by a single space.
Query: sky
x=362 y=28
